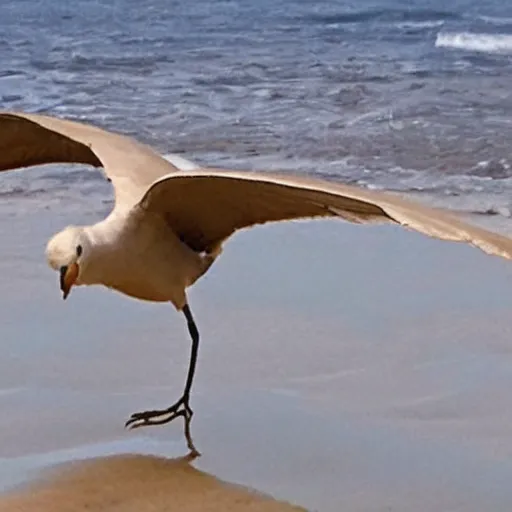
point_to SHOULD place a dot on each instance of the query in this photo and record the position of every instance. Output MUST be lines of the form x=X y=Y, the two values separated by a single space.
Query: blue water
x=406 y=95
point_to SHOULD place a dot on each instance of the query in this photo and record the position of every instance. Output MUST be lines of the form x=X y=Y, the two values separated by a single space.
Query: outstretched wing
x=204 y=208
x=34 y=139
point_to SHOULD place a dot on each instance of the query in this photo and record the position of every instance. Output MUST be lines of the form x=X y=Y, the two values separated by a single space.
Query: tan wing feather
x=204 y=208
x=34 y=139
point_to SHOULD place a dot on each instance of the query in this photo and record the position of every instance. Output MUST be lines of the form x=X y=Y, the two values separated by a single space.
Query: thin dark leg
x=182 y=406
x=194 y=334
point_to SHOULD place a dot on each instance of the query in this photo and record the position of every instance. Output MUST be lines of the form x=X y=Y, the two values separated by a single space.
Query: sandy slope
x=136 y=483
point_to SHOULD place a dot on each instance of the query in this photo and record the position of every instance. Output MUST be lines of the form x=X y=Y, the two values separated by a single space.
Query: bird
x=171 y=218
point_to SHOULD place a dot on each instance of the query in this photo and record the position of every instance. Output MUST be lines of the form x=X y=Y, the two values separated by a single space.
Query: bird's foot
x=160 y=417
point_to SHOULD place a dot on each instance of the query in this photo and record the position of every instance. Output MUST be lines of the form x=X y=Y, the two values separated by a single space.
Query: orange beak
x=68 y=277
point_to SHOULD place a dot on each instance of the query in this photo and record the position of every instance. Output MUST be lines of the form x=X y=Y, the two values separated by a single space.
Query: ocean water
x=412 y=96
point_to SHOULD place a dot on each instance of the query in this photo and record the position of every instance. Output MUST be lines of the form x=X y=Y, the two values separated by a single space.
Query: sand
x=341 y=368
x=137 y=483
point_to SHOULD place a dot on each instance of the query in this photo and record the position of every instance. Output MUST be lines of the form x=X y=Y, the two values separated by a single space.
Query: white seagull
x=170 y=219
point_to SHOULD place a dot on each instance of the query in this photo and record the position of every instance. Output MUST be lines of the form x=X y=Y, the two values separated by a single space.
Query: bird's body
x=171 y=218
x=139 y=255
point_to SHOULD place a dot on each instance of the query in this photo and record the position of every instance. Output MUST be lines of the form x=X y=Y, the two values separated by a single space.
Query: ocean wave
x=478 y=42
x=492 y=207
x=492 y=169
x=420 y=25
x=493 y=211
x=495 y=20
x=386 y=15
x=123 y=63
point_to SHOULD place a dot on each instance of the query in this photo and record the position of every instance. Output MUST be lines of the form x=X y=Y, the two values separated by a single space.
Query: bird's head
x=66 y=253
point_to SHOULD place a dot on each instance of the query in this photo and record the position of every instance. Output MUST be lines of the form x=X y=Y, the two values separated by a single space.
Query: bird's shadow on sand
x=134 y=483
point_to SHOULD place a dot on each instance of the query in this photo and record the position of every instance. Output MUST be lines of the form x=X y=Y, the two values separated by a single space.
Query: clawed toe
x=159 y=417
x=143 y=419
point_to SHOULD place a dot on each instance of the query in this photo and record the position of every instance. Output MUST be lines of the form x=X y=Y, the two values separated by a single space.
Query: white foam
x=478 y=42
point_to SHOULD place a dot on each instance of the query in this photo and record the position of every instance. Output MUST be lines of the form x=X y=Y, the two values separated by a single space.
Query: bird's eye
x=79 y=250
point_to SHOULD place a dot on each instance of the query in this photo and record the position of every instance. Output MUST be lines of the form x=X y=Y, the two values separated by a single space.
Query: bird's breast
x=147 y=261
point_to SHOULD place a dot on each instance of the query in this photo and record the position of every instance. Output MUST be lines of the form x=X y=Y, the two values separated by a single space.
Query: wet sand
x=137 y=483
x=341 y=368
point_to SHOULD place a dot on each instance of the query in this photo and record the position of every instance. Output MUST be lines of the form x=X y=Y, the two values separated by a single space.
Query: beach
x=341 y=368
x=374 y=376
